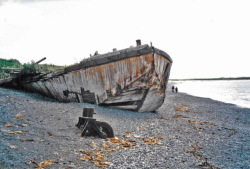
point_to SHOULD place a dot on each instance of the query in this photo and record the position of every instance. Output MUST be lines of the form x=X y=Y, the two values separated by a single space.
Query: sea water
x=228 y=91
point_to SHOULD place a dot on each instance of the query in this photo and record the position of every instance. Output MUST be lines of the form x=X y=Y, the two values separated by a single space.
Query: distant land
x=221 y=78
x=13 y=63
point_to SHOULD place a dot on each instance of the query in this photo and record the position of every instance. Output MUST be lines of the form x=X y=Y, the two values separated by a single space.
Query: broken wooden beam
x=8 y=68
x=40 y=60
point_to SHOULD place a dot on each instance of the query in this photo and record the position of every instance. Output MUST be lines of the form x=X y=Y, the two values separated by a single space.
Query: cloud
x=2 y=2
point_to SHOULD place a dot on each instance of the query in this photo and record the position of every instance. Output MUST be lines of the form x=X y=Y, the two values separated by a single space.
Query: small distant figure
x=172 y=88
x=176 y=89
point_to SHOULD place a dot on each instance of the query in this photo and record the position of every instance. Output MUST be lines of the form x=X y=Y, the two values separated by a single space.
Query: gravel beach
x=186 y=132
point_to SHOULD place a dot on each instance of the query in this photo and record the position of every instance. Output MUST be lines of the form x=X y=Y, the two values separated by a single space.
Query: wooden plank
x=8 y=68
x=58 y=72
x=45 y=90
x=40 y=60
x=87 y=96
x=108 y=58
x=166 y=74
x=29 y=87
x=3 y=81
x=58 y=89
x=119 y=79
x=126 y=97
x=70 y=85
x=164 y=54
x=77 y=82
x=153 y=100
x=126 y=107
x=63 y=82
x=51 y=89
x=160 y=65
x=37 y=88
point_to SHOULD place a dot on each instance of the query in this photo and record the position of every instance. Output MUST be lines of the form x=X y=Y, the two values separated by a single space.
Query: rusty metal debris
x=91 y=127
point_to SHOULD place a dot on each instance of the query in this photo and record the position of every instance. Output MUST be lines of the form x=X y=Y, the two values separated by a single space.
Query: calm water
x=228 y=91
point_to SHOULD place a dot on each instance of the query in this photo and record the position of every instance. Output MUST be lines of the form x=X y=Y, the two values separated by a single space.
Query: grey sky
x=204 y=38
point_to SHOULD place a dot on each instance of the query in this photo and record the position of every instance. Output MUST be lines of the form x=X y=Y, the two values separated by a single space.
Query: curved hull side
x=156 y=94
x=137 y=83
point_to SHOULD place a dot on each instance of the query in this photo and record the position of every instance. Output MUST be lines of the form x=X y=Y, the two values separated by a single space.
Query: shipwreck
x=133 y=79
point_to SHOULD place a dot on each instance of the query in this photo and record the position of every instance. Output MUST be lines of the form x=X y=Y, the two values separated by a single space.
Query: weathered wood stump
x=91 y=127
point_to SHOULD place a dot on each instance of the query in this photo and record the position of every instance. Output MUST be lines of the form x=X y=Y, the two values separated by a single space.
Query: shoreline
x=189 y=131
x=219 y=95
x=209 y=79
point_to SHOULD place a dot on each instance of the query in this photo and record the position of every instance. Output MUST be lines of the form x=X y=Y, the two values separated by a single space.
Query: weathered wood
x=37 y=88
x=58 y=89
x=64 y=87
x=14 y=73
x=87 y=96
x=160 y=67
x=51 y=89
x=108 y=58
x=126 y=107
x=58 y=72
x=8 y=68
x=29 y=88
x=40 y=60
x=45 y=90
x=153 y=100
x=133 y=79
x=134 y=95
x=166 y=74
x=3 y=81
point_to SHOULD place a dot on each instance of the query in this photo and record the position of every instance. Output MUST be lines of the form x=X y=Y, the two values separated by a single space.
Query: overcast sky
x=205 y=38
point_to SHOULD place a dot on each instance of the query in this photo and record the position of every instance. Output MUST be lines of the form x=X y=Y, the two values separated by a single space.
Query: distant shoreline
x=222 y=78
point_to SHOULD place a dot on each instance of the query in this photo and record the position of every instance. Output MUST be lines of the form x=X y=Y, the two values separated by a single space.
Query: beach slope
x=186 y=132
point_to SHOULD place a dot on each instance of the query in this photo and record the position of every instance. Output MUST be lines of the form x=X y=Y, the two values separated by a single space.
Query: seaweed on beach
x=195 y=150
x=143 y=140
x=183 y=108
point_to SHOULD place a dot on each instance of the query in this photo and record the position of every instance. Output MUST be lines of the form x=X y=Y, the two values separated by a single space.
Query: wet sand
x=186 y=132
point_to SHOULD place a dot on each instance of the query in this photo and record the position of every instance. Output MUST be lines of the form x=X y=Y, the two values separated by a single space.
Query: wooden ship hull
x=132 y=79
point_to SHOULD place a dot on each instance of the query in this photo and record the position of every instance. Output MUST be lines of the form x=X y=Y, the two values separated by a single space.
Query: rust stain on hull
x=135 y=83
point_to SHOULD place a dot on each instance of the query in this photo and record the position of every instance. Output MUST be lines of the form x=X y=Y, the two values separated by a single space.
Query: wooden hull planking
x=133 y=83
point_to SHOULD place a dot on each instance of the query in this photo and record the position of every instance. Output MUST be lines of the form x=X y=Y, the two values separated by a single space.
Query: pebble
x=178 y=136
